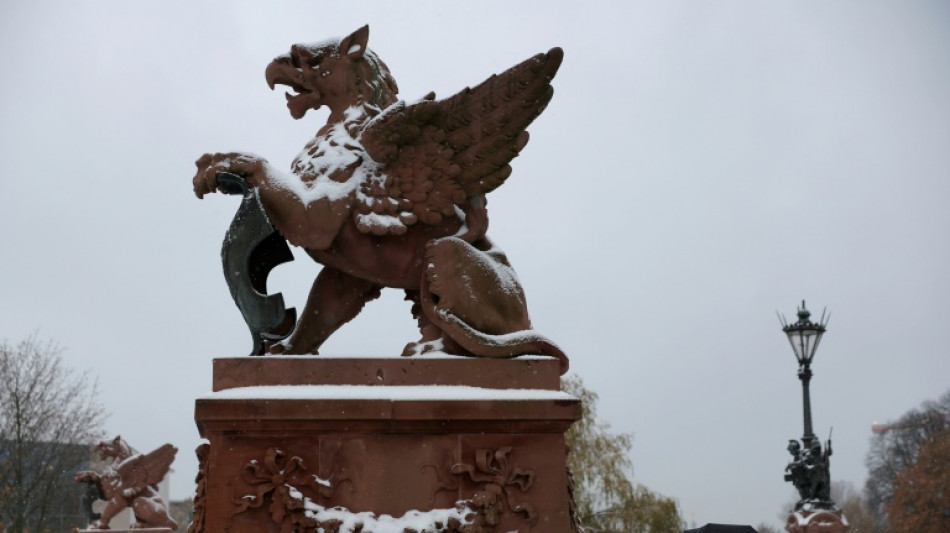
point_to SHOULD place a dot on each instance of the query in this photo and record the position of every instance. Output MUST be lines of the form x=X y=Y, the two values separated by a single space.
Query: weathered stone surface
x=522 y=373
x=386 y=448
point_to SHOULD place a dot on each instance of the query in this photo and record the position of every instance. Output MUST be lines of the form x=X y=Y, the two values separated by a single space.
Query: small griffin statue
x=390 y=194
x=131 y=481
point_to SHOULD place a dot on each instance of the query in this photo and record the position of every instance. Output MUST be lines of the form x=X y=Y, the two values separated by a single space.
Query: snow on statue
x=131 y=480
x=390 y=194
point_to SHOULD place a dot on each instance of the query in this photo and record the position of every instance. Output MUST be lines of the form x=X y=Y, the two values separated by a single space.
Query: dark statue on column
x=388 y=194
x=809 y=471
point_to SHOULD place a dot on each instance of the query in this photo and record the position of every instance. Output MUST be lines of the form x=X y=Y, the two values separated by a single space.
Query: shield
x=251 y=249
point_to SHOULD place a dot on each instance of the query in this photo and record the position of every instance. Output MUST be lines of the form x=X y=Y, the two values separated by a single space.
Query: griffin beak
x=277 y=72
x=283 y=70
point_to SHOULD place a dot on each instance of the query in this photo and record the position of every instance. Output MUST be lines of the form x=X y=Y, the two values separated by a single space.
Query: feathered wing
x=436 y=154
x=145 y=470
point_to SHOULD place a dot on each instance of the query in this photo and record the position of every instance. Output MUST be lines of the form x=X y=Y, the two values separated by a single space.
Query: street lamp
x=804 y=337
x=810 y=468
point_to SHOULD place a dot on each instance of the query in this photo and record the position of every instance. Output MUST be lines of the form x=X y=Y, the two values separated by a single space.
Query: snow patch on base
x=367 y=522
x=384 y=392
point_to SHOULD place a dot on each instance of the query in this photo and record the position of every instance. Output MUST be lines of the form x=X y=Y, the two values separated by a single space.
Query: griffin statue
x=131 y=480
x=390 y=194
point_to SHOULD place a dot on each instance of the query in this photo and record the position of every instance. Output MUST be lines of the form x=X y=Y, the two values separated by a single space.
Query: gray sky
x=701 y=165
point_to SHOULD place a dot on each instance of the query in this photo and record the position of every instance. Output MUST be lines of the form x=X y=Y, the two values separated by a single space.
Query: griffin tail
x=504 y=346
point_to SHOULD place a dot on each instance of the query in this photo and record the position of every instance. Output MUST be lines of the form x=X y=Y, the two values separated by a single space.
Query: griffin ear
x=354 y=45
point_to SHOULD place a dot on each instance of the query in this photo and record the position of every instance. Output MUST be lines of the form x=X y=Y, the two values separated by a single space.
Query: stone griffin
x=390 y=194
x=131 y=480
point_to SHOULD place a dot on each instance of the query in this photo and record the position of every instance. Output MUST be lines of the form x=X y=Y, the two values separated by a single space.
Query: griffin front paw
x=276 y=348
x=248 y=166
x=284 y=347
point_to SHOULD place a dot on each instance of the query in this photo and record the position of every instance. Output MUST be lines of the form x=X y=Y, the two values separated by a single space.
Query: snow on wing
x=438 y=153
x=147 y=469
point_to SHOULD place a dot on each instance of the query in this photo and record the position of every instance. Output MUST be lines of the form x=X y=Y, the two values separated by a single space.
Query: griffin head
x=336 y=73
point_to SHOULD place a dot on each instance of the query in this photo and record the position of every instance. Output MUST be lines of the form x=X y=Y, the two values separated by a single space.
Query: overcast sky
x=702 y=165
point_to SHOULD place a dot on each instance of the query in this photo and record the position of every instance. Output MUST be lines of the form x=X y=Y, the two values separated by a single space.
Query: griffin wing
x=148 y=469
x=436 y=154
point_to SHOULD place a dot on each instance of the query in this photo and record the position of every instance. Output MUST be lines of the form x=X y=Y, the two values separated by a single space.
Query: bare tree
x=49 y=414
x=921 y=502
x=608 y=501
x=854 y=507
x=895 y=449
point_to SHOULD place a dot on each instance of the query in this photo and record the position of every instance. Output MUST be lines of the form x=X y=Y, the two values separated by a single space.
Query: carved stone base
x=817 y=521
x=345 y=444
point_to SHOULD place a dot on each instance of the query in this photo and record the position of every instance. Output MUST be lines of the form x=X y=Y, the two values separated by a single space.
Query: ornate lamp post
x=804 y=337
x=809 y=469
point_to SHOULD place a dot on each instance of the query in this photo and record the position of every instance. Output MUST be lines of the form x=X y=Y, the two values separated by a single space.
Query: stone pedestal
x=817 y=521
x=452 y=444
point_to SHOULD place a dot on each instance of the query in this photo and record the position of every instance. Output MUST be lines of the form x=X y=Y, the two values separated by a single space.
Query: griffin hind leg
x=114 y=506
x=433 y=339
x=150 y=511
x=471 y=294
x=475 y=283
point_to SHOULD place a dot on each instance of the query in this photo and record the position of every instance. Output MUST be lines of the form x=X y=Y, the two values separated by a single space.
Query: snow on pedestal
x=372 y=445
x=817 y=521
